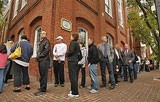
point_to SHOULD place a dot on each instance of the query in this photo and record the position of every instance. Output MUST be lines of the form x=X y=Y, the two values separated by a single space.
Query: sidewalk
x=144 y=89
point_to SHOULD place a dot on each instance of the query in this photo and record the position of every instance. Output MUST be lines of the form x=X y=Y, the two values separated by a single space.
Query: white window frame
x=110 y=40
x=23 y=4
x=108 y=7
x=120 y=12
x=15 y=8
x=84 y=31
x=22 y=32
x=35 y=48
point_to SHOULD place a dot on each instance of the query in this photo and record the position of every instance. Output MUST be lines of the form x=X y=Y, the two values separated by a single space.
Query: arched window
x=110 y=40
x=83 y=36
x=36 y=40
x=22 y=32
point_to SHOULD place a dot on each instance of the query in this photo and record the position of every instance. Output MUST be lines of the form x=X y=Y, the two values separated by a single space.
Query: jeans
x=135 y=70
x=59 y=72
x=122 y=71
x=110 y=71
x=83 y=72
x=93 y=76
x=6 y=69
x=43 y=71
x=1 y=79
x=131 y=73
x=20 y=75
x=73 y=76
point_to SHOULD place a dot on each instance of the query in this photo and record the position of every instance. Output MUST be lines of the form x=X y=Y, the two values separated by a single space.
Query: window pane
x=36 y=41
x=24 y=2
x=15 y=8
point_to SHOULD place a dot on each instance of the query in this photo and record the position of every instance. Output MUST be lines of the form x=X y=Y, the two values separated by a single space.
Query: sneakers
x=55 y=85
x=93 y=91
x=62 y=85
x=17 y=90
x=38 y=93
x=73 y=96
x=27 y=88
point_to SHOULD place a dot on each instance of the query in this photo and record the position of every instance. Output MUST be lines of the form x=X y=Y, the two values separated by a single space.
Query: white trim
x=22 y=32
x=15 y=8
x=23 y=4
x=108 y=7
x=110 y=40
x=35 y=42
x=120 y=12
x=86 y=32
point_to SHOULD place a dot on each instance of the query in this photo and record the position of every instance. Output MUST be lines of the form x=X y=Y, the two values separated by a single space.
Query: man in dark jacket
x=43 y=62
x=92 y=65
x=128 y=58
x=117 y=62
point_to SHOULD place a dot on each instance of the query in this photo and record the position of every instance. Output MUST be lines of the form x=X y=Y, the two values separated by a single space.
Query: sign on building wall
x=66 y=24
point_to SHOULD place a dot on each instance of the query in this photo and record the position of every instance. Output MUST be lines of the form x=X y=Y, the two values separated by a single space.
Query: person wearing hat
x=59 y=52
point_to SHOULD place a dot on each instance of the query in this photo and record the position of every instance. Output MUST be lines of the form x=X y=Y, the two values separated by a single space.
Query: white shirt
x=139 y=59
x=84 y=56
x=60 y=50
x=22 y=63
x=117 y=53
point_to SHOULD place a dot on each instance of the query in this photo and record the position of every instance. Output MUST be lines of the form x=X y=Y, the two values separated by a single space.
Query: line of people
x=78 y=58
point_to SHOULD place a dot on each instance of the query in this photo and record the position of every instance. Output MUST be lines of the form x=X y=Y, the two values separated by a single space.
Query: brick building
x=91 y=18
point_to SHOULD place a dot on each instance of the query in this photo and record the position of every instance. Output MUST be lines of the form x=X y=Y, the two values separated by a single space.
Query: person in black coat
x=92 y=65
x=117 y=62
x=74 y=50
x=43 y=58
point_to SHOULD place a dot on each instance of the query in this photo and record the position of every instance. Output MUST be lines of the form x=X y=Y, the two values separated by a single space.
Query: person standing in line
x=128 y=58
x=135 y=66
x=117 y=62
x=59 y=52
x=108 y=54
x=73 y=54
x=3 y=61
x=43 y=58
x=81 y=64
x=7 y=71
x=138 y=64
x=21 y=64
x=92 y=65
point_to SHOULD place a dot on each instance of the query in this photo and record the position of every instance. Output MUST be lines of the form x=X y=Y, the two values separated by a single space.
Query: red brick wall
x=88 y=14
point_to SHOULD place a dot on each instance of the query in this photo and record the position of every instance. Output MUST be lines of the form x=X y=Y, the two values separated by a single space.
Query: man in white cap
x=59 y=52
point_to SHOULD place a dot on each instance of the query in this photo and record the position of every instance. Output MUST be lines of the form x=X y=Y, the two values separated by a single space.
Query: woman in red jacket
x=3 y=61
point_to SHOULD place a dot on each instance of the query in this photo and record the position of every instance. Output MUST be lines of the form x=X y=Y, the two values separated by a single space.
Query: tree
x=2 y=22
x=143 y=21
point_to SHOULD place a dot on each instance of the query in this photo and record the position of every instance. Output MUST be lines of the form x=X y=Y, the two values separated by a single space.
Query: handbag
x=17 y=53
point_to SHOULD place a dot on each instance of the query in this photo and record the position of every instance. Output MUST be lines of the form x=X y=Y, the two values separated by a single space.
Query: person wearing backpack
x=93 y=60
x=74 y=56
x=3 y=61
